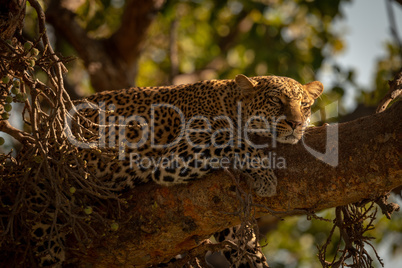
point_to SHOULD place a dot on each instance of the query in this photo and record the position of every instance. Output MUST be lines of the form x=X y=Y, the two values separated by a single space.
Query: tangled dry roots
x=353 y=221
x=47 y=180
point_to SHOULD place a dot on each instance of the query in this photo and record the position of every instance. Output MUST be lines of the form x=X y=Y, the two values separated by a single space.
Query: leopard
x=176 y=134
x=187 y=124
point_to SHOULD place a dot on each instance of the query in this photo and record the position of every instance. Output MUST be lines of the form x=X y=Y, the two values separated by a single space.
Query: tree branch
x=161 y=222
x=395 y=90
x=20 y=136
x=399 y=1
x=138 y=15
x=110 y=62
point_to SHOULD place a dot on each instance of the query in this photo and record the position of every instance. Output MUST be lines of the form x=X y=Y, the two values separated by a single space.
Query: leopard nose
x=294 y=123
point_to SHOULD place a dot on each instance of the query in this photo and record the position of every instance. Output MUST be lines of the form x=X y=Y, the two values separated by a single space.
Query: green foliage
x=286 y=38
x=386 y=69
x=100 y=18
x=294 y=243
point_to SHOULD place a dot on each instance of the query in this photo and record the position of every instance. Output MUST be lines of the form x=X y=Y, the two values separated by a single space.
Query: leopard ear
x=245 y=84
x=314 y=89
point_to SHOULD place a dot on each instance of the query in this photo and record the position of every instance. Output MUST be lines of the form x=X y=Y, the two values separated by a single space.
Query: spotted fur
x=246 y=255
x=149 y=116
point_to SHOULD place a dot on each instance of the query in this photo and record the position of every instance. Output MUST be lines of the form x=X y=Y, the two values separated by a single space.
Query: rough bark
x=12 y=14
x=164 y=221
x=111 y=62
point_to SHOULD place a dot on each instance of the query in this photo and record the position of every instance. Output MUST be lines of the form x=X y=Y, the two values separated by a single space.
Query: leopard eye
x=305 y=104
x=275 y=100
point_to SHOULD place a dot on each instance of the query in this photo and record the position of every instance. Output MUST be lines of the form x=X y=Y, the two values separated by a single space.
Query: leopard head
x=276 y=106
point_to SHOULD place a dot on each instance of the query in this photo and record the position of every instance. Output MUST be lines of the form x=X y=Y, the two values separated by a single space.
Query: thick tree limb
x=164 y=221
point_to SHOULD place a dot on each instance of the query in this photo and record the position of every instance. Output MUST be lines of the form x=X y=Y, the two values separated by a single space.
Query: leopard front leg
x=183 y=163
x=256 y=165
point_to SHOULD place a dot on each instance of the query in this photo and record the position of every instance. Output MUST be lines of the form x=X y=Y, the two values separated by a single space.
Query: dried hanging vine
x=353 y=221
x=47 y=181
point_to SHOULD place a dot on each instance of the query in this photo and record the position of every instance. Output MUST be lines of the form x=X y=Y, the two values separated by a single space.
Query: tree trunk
x=164 y=221
x=111 y=62
x=12 y=14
